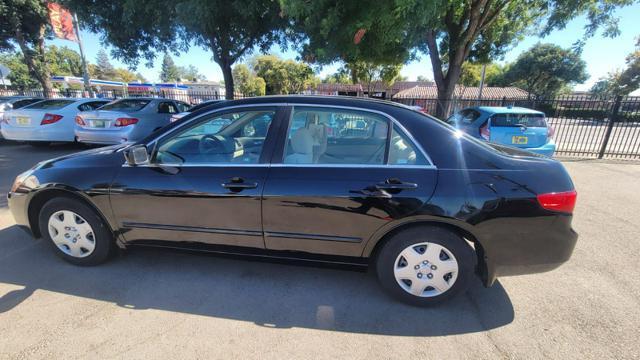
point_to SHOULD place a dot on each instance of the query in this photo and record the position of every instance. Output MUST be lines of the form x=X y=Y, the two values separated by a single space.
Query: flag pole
x=85 y=70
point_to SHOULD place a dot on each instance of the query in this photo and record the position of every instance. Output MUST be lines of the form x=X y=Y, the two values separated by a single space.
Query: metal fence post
x=504 y=101
x=612 y=119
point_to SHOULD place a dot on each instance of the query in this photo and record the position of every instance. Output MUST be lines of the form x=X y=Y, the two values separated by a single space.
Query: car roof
x=314 y=100
x=507 y=109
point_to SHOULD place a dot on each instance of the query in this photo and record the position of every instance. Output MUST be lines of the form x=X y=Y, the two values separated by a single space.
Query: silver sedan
x=124 y=120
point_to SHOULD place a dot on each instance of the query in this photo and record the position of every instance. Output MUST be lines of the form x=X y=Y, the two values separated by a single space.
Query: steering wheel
x=217 y=148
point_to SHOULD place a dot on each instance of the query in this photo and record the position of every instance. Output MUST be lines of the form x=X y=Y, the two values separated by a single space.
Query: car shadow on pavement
x=267 y=294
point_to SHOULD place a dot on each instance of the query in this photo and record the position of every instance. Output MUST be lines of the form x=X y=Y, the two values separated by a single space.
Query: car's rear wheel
x=425 y=265
x=76 y=232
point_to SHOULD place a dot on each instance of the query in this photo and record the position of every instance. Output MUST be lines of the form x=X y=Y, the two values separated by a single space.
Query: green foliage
x=63 y=61
x=247 y=82
x=283 y=76
x=327 y=28
x=368 y=73
x=545 y=69
x=229 y=29
x=190 y=73
x=169 y=72
x=341 y=76
x=25 y=24
x=19 y=76
x=472 y=74
x=103 y=69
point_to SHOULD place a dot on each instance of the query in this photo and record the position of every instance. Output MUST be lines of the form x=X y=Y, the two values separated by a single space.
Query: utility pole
x=484 y=69
x=85 y=69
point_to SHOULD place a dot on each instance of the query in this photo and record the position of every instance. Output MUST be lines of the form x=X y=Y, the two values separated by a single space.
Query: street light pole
x=85 y=70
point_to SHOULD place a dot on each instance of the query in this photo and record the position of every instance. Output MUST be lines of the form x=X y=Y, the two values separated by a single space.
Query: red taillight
x=125 y=121
x=560 y=201
x=50 y=119
x=80 y=121
x=485 y=132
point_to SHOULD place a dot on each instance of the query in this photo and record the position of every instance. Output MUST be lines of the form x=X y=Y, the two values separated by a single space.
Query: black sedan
x=323 y=178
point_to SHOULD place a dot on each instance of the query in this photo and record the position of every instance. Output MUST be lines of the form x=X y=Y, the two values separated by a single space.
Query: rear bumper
x=42 y=133
x=547 y=149
x=528 y=246
x=108 y=137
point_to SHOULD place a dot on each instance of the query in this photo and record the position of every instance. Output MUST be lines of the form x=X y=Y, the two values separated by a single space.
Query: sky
x=602 y=55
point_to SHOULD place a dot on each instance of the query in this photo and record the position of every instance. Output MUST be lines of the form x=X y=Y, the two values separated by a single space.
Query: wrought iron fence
x=585 y=126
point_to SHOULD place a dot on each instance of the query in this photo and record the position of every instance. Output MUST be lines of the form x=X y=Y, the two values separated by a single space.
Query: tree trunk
x=37 y=67
x=228 y=79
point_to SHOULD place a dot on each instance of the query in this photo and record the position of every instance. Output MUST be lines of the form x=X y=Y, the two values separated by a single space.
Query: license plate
x=98 y=123
x=23 y=120
x=519 y=140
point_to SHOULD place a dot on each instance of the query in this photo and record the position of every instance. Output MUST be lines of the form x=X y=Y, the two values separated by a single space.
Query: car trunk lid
x=519 y=130
x=100 y=119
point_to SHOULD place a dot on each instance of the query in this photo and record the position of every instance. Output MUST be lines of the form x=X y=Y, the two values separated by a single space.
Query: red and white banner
x=61 y=22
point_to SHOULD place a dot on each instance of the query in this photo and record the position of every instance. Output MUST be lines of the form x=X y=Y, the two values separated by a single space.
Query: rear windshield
x=528 y=120
x=51 y=104
x=126 y=105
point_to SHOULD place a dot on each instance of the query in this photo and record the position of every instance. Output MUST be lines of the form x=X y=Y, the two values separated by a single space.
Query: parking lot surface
x=165 y=304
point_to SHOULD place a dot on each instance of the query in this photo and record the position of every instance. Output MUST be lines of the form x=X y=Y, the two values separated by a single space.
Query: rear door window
x=51 y=104
x=336 y=136
x=126 y=105
x=182 y=107
x=518 y=120
x=466 y=116
x=167 y=107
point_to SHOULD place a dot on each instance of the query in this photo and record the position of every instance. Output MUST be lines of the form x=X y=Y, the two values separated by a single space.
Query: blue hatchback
x=514 y=126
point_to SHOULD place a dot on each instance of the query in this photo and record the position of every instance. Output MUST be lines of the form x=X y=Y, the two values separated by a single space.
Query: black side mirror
x=137 y=155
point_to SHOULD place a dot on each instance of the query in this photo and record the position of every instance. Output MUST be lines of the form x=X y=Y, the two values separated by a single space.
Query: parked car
x=188 y=111
x=129 y=119
x=46 y=121
x=14 y=102
x=514 y=126
x=425 y=204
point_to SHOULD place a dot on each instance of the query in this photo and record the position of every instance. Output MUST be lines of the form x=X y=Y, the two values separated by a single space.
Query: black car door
x=203 y=183
x=340 y=175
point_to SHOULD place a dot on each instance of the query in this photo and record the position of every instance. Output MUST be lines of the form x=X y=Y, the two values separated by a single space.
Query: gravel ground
x=162 y=304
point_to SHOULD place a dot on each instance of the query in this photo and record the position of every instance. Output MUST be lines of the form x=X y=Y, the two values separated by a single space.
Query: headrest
x=302 y=141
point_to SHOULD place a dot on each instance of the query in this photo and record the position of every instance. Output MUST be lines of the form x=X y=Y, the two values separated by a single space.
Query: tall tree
x=545 y=69
x=621 y=82
x=104 y=70
x=369 y=73
x=247 y=82
x=471 y=74
x=63 y=61
x=25 y=23
x=283 y=76
x=190 y=73
x=169 y=72
x=481 y=30
x=229 y=29
x=20 y=77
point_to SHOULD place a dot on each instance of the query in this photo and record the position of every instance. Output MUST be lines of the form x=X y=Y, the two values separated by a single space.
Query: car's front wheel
x=76 y=232
x=425 y=265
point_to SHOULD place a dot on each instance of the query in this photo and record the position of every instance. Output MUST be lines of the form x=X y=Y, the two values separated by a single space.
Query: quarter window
x=235 y=137
x=402 y=151
x=336 y=136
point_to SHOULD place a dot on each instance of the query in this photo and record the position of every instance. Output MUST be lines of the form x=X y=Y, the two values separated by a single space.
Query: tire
x=39 y=144
x=100 y=240
x=398 y=279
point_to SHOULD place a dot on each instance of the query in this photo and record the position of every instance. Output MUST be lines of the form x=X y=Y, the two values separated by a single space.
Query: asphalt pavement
x=167 y=304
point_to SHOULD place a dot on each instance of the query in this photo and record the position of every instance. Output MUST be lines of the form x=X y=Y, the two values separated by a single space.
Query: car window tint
x=508 y=120
x=466 y=116
x=235 y=137
x=88 y=106
x=22 y=103
x=182 y=107
x=51 y=104
x=126 y=105
x=167 y=108
x=336 y=136
x=402 y=151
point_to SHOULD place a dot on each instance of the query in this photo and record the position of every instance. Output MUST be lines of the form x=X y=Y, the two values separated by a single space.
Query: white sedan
x=46 y=121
